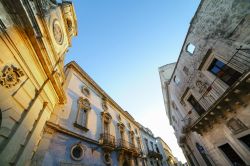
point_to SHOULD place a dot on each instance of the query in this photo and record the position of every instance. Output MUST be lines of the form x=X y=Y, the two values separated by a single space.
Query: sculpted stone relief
x=10 y=76
x=202 y=86
x=85 y=91
x=84 y=104
x=57 y=32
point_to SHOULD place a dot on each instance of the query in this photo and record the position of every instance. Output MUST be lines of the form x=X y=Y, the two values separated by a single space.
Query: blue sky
x=121 y=44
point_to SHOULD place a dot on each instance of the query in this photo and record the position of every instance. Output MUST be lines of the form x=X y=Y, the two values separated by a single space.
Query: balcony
x=128 y=147
x=153 y=154
x=237 y=95
x=123 y=145
x=135 y=150
x=107 y=141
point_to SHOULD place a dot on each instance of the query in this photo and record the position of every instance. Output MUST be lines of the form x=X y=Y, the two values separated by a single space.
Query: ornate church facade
x=34 y=36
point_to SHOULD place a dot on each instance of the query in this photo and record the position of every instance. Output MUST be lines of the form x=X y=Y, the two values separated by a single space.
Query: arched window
x=203 y=154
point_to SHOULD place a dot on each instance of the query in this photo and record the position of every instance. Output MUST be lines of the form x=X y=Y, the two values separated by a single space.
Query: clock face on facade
x=57 y=32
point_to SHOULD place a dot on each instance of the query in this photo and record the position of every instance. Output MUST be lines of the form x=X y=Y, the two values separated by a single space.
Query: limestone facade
x=151 y=152
x=206 y=92
x=91 y=129
x=168 y=157
x=34 y=36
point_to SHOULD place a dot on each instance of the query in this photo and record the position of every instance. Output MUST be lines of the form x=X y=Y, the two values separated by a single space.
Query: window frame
x=225 y=70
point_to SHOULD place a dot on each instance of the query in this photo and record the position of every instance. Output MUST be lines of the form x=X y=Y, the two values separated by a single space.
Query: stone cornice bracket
x=10 y=76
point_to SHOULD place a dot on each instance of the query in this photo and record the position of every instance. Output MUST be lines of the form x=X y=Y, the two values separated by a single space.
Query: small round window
x=190 y=48
x=77 y=152
x=177 y=80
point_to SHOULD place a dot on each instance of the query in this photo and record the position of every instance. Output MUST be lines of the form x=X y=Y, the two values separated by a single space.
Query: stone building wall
x=33 y=40
x=220 y=31
x=56 y=146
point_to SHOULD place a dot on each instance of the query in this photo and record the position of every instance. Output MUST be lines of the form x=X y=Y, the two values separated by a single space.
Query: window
x=146 y=142
x=106 y=127
x=224 y=72
x=77 y=151
x=190 y=48
x=177 y=80
x=152 y=145
x=203 y=154
x=198 y=108
x=246 y=140
x=82 y=114
x=157 y=149
x=236 y=126
x=106 y=119
x=232 y=155
x=138 y=142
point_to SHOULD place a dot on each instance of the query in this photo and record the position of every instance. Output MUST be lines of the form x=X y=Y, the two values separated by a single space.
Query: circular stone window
x=57 y=32
x=107 y=158
x=77 y=152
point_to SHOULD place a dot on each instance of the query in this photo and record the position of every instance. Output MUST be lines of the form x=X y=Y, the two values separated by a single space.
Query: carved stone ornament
x=57 y=32
x=119 y=118
x=10 y=76
x=47 y=5
x=202 y=86
x=106 y=116
x=104 y=106
x=85 y=91
x=84 y=103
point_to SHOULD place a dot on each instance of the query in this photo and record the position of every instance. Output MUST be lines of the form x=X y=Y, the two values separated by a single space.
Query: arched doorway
x=203 y=154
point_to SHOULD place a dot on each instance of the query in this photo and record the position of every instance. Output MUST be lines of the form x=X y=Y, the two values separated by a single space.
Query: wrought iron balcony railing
x=107 y=140
x=123 y=144
x=153 y=154
x=128 y=147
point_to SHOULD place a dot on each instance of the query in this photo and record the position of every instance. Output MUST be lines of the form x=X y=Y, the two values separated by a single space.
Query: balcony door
x=203 y=154
x=106 y=128
x=232 y=155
